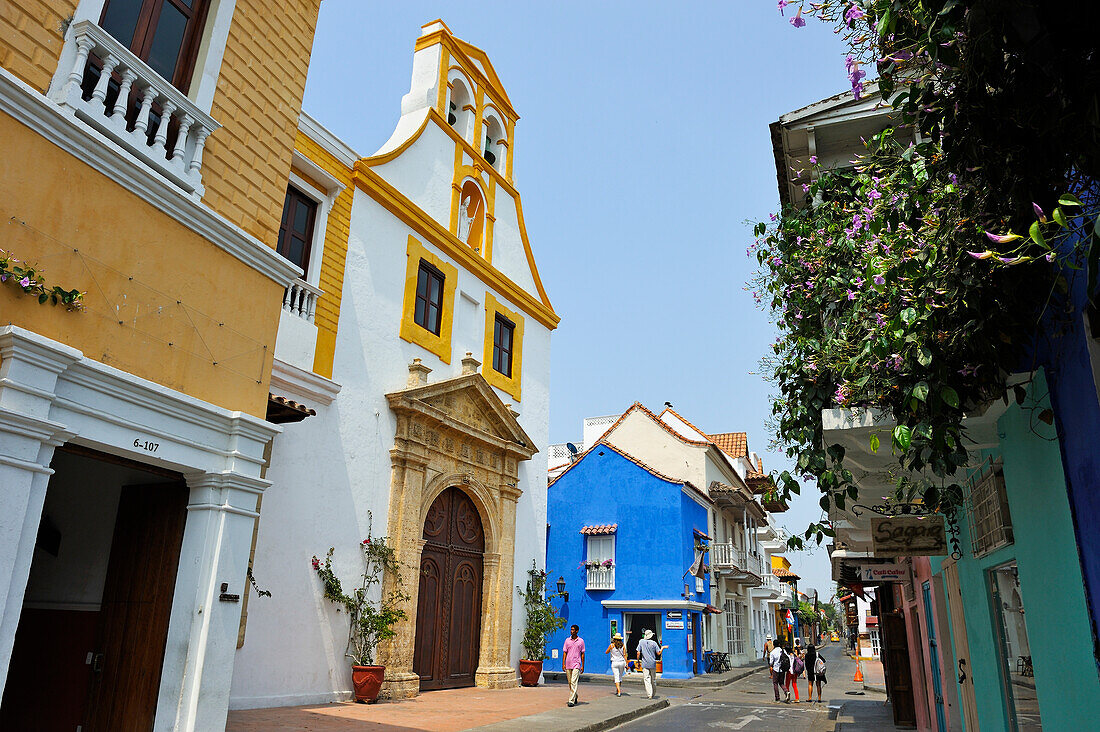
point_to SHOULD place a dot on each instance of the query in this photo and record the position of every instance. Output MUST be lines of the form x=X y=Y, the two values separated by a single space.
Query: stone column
x=202 y=632
x=405 y=530
x=30 y=366
x=495 y=670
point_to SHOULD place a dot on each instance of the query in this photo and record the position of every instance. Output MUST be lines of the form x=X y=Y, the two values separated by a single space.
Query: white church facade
x=421 y=340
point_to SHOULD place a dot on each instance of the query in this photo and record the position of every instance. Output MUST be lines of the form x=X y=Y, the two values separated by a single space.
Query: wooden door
x=899 y=675
x=963 y=670
x=137 y=603
x=448 y=610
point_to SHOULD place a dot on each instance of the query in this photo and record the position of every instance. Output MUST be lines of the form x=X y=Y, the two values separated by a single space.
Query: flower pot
x=367 y=680
x=529 y=672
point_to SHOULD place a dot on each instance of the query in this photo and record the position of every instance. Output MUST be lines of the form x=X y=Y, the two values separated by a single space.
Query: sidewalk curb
x=551 y=719
x=699 y=682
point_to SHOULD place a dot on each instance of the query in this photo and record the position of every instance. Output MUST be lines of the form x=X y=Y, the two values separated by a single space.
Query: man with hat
x=648 y=652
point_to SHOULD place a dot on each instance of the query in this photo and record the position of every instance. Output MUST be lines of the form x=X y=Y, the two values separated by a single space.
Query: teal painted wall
x=1051 y=583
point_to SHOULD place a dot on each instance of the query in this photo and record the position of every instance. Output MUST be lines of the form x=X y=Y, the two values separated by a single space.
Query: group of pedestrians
x=787 y=665
x=572 y=661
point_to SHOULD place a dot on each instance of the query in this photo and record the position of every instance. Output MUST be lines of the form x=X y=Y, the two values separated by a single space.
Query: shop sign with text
x=908 y=536
x=883 y=572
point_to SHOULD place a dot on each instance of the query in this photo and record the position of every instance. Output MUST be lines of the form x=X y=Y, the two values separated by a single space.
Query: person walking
x=798 y=665
x=648 y=653
x=572 y=661
x=618 y=661
x=768 y=646
x=815 y=672
x=780 y=663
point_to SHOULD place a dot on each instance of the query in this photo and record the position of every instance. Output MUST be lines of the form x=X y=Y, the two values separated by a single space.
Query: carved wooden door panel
x=448 y=613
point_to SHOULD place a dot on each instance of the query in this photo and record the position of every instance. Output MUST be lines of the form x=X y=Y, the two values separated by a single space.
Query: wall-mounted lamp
x=561 y=589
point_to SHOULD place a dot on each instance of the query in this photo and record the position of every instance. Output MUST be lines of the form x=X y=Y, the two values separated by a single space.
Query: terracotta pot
x=529 y=672
x=367 y=680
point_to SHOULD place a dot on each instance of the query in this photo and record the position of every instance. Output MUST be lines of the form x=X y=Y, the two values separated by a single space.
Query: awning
x=701 y=535
x=598 y=529
x=712 y=610
x=281 y=410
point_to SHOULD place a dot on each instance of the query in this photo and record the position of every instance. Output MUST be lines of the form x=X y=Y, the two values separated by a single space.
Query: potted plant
x=542 y=620
x=370 y=621
x=607 y=564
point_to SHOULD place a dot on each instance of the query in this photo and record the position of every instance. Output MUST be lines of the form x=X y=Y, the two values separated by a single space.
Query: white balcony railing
x=134 y=106
x=601 y=578
x=723 y=556
x=301 y=299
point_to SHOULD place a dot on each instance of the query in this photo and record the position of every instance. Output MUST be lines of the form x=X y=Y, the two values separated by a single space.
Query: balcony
x=118 y=94
x=297 y=341
x=600 y=578
x=731 y=561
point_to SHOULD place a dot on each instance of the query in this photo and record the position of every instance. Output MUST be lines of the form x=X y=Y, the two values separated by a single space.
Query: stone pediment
x=468 y=405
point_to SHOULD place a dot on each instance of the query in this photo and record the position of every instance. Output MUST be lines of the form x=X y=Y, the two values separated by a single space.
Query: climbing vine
x=915 y=282
x=30 y=281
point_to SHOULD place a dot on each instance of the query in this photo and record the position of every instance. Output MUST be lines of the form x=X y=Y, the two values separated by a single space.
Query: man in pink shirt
x=572 y=661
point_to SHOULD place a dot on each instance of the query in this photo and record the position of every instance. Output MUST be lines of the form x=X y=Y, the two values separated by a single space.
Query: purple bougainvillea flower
x=981 y=255
x=851 y=295
x=853 y=14
x=879 y=280
x=1002 y=238
x=1039 y=212
x=797 y=21
x=25 y=282
x=813 y=159
x=782 y=4
x=858 y=282
x=1010 y=260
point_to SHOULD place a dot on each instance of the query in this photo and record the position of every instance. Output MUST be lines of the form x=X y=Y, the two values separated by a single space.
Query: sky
x=642 y=156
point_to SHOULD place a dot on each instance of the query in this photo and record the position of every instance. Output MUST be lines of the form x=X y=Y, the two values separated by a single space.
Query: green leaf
x=920 y=391
x=1036 y=232
x=874 y=442
x=949 y=396
x=824 y=503
x=1068 y=199
x=903 y=436
x=1060 y=218
x=924 y=357
x=908 y=315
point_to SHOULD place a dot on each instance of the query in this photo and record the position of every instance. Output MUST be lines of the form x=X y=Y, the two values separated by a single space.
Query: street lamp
x=561 y=589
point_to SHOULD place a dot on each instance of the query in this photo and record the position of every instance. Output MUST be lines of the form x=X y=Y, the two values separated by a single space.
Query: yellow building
x=420 y=335
x=147 y=148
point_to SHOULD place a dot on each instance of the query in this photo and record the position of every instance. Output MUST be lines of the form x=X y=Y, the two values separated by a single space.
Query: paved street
x=748 y=705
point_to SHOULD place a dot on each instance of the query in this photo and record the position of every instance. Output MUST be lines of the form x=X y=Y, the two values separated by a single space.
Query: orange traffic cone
x=859 y=673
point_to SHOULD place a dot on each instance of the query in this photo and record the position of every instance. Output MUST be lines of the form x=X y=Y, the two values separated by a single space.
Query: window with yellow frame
x=427 y=311
x=503 y=356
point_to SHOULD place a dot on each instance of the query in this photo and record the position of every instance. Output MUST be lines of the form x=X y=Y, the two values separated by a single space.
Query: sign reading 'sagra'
x=908 y=536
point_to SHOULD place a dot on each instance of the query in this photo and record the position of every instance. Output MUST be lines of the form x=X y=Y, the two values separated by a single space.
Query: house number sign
x=908 y=536
x=146 y=445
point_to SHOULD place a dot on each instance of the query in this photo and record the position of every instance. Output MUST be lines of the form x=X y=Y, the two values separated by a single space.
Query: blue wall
x=653 y=549
x=1074 y=400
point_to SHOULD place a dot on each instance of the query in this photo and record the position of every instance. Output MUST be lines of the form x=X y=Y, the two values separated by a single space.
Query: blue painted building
x=637 y=530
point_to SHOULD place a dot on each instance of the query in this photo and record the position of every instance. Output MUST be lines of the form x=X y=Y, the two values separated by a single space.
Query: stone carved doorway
x=448 y=613
x=453 y=438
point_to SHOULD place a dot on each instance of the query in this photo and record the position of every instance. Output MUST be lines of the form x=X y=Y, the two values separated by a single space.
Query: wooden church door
x=448 y=611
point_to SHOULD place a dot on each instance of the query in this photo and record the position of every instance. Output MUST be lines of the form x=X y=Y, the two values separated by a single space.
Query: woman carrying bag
x=618 y=661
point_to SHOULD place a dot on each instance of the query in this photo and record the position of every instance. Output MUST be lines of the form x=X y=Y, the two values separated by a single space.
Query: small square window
x=503 y=331
x=428 y=312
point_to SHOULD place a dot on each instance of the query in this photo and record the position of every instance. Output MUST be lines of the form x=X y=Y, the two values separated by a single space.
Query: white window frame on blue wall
x=600 y=547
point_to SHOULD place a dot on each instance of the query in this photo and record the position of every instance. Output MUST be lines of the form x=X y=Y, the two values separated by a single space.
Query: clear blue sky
x=641 y=154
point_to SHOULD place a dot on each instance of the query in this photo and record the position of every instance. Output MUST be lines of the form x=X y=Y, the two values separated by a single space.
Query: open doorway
x=638 y=623
x=90 y=643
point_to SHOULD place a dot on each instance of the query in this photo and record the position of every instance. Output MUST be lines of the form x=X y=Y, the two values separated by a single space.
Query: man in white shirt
x=775 y=660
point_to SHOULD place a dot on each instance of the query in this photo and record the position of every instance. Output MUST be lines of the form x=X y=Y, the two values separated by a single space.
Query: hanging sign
x=908 y=536
x=884 y=572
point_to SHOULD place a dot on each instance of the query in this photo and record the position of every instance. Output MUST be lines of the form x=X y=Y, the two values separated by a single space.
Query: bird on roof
x=668 y=404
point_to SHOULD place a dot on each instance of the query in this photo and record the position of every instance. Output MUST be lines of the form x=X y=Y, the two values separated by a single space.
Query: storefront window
x=1016 y=666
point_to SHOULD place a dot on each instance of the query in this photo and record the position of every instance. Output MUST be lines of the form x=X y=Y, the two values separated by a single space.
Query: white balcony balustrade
x=723 y=556
x=301 y=299
x=114 y=91
x=600 y=578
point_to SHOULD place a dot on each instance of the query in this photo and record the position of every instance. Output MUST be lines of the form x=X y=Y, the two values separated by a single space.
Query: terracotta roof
x=734 y=444
x=781 y=572
x=599 y=529
x=685 y=420
x=281 y=410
